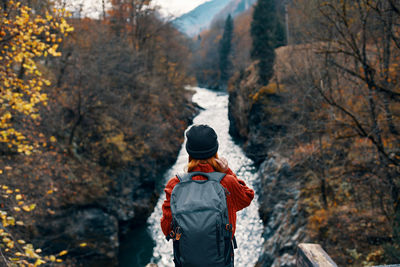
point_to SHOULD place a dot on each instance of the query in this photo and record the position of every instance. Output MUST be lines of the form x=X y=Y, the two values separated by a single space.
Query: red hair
x=193 y=163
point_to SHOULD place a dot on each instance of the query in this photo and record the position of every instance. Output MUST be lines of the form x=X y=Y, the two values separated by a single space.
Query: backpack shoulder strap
x=212 y=176
x=182 y=177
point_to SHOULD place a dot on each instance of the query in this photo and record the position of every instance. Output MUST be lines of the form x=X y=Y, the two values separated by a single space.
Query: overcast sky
x=168 y=7
x=177 y=7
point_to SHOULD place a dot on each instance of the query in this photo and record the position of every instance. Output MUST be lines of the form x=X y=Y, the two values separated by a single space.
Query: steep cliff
x=258 y=120
x=313 y=169
x=280 y=211
x=251 y=120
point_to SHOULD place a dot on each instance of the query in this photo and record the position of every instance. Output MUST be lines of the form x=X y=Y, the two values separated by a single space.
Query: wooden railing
x=312 y=255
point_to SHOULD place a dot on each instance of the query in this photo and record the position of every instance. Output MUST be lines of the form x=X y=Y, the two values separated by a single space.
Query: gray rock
x=92 y=226
x=284 y=223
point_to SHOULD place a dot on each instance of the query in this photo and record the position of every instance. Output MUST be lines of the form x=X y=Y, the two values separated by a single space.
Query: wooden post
x=312 y=255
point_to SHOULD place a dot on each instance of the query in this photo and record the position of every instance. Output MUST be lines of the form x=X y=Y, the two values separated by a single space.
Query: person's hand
x=223 y=163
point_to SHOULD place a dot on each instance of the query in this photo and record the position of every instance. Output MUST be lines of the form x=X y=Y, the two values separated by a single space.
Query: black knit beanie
x=201 y=142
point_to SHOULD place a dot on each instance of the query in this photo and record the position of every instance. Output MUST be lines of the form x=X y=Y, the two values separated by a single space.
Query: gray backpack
x=200 y=224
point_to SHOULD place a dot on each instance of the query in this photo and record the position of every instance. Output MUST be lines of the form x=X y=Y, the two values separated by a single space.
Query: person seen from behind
x=199 y=212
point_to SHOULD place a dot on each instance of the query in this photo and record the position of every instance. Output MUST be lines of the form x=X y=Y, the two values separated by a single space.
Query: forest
x=93 y=111
x=86 y=109
x=330 y=106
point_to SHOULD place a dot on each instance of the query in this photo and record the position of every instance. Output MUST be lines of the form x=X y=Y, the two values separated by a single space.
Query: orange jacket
x=239 y=197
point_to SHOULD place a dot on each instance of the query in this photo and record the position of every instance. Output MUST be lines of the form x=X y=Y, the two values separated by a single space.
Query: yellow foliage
x=29 y=208
x=39 y=262
x=21 y=81
x=62 y=253
x=26 y=208
x=27 y=251
x=118 y=140
x=318 y=220
x=373 y=257
x=270 y=89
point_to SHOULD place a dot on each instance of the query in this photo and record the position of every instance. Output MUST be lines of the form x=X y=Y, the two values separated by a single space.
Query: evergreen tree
x=280 y=34
x=263 y=32
x=224 y=52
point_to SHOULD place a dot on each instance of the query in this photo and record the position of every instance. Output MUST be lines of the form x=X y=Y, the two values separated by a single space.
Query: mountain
x=200 y=18
x=234 y=8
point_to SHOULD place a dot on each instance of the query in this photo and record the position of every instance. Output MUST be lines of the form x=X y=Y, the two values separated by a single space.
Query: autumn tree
x=140 y=64
x=342 y=126
x=24 y=39
x=27 y=39
x=128 y=18
x=373 y=54
x=367 y=51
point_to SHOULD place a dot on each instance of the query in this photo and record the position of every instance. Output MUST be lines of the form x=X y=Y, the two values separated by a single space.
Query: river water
x=249 y=225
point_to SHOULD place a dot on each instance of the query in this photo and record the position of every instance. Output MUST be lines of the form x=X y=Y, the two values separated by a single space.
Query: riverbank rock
x=92 y=230
x=279 y=209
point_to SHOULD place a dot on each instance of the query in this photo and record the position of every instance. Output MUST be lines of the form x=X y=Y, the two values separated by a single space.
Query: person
x=202 y=147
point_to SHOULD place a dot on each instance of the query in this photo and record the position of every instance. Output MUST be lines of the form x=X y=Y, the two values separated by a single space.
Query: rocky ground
x=256 y=128
x=279 y=209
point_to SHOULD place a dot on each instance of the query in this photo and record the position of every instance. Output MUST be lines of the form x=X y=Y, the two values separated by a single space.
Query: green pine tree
x=224 y=52
x=264 y=32
x=280 y=34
